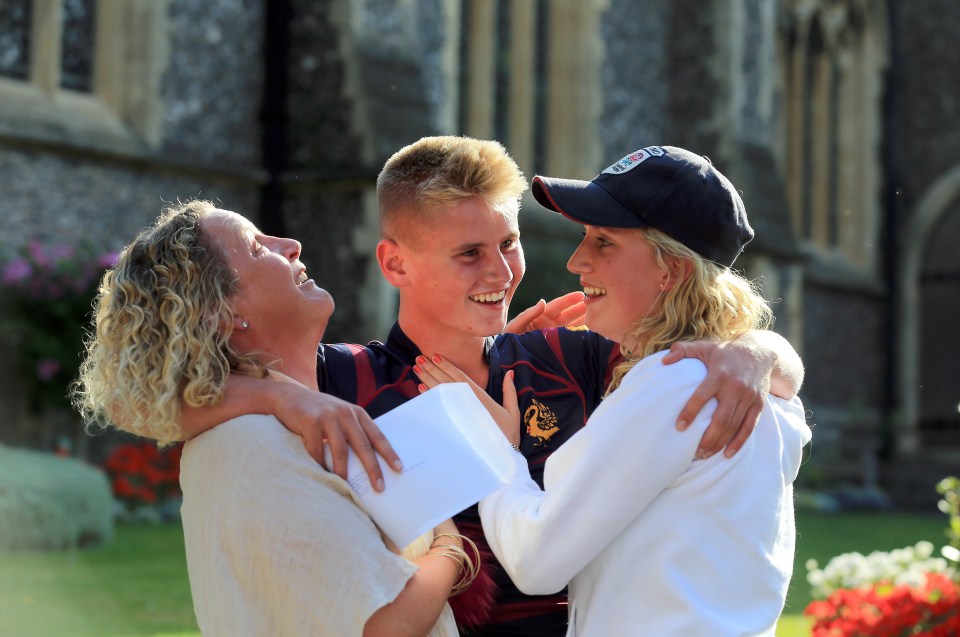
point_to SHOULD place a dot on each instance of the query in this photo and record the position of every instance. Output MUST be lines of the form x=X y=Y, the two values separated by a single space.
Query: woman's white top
x=278 y=546
x=651 y=541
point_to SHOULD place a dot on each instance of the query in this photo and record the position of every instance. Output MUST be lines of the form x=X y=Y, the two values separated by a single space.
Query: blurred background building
x=838 y=120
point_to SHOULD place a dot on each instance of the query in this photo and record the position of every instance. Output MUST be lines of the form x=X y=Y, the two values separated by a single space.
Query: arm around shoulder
x=242 y=395
x=324 y=422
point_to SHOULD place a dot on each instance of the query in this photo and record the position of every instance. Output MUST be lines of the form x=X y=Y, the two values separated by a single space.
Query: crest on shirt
x=541 y=422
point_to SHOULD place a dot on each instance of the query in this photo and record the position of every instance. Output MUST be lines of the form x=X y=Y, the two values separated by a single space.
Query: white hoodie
x=651 y=541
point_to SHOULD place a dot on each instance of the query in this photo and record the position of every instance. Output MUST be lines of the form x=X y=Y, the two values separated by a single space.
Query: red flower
x=152 y=475
x=146 y=495
x=884 y=610
x=122 y=487
x=143 y=474
x=127 y=459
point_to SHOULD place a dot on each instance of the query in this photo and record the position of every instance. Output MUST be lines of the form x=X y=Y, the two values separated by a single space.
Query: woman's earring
x=245 y=324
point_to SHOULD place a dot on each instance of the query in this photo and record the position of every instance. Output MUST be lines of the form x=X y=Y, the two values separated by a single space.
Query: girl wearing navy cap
x=652 y=540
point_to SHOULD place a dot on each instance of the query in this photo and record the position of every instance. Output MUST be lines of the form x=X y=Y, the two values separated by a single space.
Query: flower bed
x=145 y=481
x=47 y=291
x=928 y=608
x=906 y=592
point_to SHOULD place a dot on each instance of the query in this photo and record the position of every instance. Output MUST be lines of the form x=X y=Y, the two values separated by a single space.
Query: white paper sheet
x=453 y=455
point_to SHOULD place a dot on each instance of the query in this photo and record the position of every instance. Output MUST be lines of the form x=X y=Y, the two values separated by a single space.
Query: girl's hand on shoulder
x=568 y=310
x=437 y=371
x=738 y=376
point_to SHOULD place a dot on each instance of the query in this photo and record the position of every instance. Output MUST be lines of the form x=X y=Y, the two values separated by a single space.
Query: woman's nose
x=577 y=262
x=290 y=248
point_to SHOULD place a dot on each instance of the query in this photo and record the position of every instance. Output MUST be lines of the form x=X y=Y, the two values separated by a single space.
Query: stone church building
x=839 y=120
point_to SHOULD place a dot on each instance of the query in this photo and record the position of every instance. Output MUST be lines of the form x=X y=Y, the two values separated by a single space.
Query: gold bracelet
x=457 y=539
x=469 y=568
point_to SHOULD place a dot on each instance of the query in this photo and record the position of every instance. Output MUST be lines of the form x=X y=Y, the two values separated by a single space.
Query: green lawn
x=137 y=586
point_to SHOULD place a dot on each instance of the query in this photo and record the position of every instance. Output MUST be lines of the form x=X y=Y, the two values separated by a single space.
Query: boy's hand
x=325 y=421
x=738 y=376
x=507 y=416
x=564 y=311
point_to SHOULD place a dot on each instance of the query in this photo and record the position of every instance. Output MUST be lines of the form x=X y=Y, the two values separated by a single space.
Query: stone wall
x=64 y=190
x=927 y=95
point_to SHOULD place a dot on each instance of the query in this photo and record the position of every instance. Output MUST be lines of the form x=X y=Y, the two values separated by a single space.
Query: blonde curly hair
x=162 y=326
x=712 y=303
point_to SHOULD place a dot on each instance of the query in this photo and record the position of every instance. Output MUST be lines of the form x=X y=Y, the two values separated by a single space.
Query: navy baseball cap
x=671 y=189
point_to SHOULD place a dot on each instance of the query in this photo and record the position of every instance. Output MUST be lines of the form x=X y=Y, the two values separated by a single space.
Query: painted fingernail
x=436 y=358
x=417 y=369
x=422 y=387
x=421 y=359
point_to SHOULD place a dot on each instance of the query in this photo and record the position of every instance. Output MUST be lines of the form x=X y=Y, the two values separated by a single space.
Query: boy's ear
x=390 y=258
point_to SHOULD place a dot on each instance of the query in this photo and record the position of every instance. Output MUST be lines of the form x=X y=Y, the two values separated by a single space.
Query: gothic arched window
x=87 y=70
x=834 y=63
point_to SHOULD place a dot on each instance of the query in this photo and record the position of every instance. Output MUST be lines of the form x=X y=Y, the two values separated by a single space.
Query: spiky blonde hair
x=422 y=179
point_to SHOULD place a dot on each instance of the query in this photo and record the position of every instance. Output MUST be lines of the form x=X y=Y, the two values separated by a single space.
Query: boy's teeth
x=591 y=291
x=489 y=298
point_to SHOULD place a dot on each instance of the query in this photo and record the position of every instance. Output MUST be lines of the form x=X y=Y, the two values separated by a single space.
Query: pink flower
x=108 y=259
x=37 y=253
x=17 y=271
x=60 y=252
x=47 y=368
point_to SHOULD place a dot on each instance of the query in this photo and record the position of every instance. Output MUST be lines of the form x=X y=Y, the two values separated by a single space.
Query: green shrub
x=949 y=488
x=51 y=503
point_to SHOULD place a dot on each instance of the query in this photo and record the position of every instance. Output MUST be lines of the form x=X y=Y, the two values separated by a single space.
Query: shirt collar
x=399 y=342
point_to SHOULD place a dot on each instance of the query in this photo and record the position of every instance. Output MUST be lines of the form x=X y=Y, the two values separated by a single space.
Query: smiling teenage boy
x=450 y=244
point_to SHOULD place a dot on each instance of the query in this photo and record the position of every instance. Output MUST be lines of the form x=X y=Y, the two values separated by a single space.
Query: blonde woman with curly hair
x=275 y=544
x=651 y=539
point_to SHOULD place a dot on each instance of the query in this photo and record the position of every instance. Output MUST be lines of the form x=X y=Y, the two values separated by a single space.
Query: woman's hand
x=438 y=371
x=568 y=310
x=320 y=419
x=324 y=421
x=738 y=376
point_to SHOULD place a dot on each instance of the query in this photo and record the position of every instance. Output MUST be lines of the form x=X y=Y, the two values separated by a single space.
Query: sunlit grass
x=136 y=586
x=794 y=626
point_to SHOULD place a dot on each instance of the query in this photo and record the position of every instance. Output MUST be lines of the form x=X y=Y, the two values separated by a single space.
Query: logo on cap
x=633 y=160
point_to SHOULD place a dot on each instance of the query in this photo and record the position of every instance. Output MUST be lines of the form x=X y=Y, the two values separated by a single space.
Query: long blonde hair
x=712 y=303
x=162 y=324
